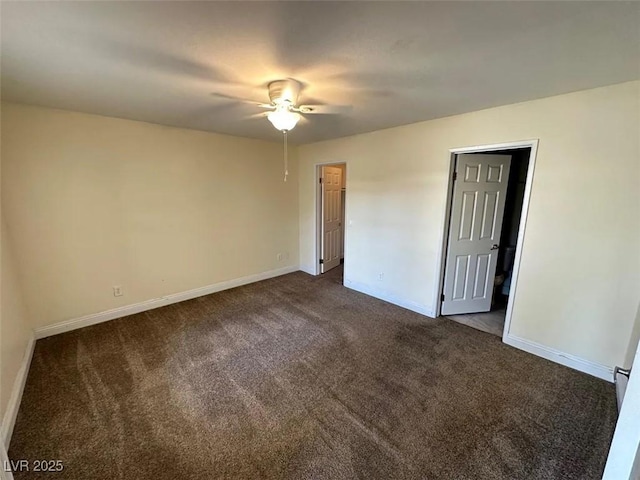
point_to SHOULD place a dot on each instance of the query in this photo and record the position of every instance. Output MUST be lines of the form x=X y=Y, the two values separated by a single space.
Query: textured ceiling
x=393 y=62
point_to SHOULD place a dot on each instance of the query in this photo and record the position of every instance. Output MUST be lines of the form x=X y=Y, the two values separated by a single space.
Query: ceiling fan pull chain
x=286 y=160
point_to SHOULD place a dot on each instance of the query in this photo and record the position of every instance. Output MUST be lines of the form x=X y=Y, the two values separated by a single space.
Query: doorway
x=484 y=229
x=331 y=213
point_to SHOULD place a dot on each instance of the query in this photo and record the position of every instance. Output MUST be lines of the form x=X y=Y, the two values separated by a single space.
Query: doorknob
x=494 y=246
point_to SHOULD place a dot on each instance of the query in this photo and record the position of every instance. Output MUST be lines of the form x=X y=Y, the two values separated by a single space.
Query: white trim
x=11 y=413
x=566 y=359
x=388 y=297
x=494 y=147
x=623 y=462
x=4 y=460
x=437 y=299
x=94 y=318
x=521 y=231
x=308 y=269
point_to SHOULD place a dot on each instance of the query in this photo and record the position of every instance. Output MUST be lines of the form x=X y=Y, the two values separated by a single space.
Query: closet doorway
x=331 y=202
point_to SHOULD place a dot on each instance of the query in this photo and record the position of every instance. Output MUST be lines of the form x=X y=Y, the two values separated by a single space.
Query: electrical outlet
x=381 y=276
x=279 y=257
x=117 y=291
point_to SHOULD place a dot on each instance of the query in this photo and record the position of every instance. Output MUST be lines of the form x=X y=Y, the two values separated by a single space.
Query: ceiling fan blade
x=258 y=115
x=323 y=109
x=243 y=100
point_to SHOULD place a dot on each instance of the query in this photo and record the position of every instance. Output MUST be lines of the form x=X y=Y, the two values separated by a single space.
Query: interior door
x=331 y=181
x=623 y=462
x=479 y=191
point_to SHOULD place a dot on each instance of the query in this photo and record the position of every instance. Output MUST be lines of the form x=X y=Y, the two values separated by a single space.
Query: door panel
x=331 y=217
x=461 y=273
x=477 y=209
x=467 y=215
x=489 y=210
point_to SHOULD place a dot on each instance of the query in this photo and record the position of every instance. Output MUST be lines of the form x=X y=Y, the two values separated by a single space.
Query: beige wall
x=15 y=328
x=94 y=202
x=579 y=281
x=633 y=342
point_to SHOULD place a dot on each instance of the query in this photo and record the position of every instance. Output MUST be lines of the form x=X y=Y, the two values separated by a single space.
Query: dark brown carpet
x=298 y=377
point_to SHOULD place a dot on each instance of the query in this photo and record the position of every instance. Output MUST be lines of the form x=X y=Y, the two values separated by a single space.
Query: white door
x=623 y=462
x=479 y=192
x=331 y=179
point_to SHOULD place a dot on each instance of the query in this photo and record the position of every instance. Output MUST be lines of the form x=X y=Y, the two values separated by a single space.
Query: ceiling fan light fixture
x=283 y=119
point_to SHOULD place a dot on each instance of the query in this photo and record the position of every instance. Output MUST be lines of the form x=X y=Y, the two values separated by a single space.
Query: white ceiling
x=393 y=62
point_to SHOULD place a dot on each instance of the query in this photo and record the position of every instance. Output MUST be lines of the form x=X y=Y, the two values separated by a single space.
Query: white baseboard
x=566 y=359
x=11 y=413
x=387 y=297
x=310 y=269
x=119 y=312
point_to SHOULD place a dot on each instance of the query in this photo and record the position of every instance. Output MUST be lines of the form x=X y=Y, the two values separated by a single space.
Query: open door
x=623 y=462
x=331 y=181
x=479 y=191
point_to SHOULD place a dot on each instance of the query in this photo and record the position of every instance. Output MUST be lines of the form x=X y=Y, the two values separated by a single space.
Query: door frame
x=623 y=461
x=318 y=210
x=533 y=145
x=4 y=460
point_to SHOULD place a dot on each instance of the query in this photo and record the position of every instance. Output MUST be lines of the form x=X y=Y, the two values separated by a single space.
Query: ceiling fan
x=285 y=112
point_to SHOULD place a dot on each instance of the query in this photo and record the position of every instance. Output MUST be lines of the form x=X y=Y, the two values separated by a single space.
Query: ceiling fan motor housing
x=284 y=91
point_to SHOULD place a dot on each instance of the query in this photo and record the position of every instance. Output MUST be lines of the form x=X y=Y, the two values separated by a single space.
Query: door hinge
x=321 y=261
x=320 y=179
x=442 y=297
x=455 y=176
